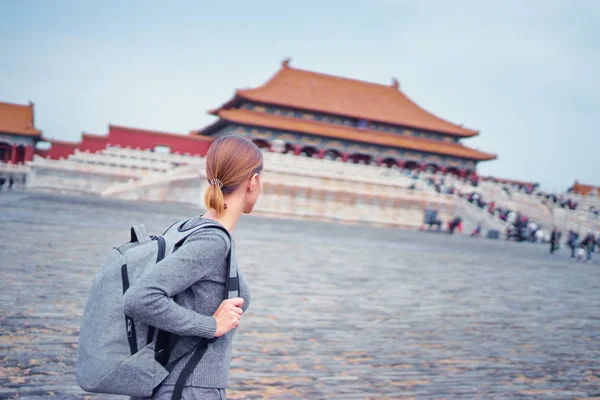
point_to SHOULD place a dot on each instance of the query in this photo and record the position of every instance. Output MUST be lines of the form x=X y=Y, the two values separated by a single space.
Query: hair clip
x=216 y=182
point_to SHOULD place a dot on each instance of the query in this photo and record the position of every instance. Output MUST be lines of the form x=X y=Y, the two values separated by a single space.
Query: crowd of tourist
x=581 y=248
x=557 y=200
x=521 y=227
x=560 y=200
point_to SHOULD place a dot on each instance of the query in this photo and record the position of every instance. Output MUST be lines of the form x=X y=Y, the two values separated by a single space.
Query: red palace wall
x=59 y=149
x=42 y=153
x=132 y=138
x=137 y=138
x=93 y=143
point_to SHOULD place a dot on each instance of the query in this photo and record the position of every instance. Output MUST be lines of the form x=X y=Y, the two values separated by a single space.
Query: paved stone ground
x=341 y=312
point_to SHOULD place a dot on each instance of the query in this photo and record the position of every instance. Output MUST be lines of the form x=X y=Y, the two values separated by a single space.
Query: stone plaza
x=338 y=311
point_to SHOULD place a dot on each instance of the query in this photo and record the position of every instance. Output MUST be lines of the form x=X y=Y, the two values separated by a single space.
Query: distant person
x=533 y=227
x=539 y=236
x=184 y=293
x=11 y=182
x=455 y=223
x=477 y=231
x=580 y=253
x=511 y=217
x=590 y=244
x=554 y=240
x=573 y=241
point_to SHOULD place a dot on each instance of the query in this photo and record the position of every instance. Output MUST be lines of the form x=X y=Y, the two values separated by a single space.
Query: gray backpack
x=130 y=357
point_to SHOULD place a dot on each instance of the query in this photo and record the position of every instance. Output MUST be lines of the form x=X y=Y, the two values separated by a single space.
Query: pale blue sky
x=524 y=73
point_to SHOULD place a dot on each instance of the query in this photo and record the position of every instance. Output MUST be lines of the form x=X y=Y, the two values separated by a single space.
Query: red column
x=345 y=157
x=321 y=153
x=400 y=163
x=13 y=154
x=379 y=161
x=297 y=149
x=28 y=153
x=463 y=173
x=443 y=170
x=422 y=167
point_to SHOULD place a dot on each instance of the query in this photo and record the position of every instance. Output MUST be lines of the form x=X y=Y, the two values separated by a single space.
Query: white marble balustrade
x=294 y=186
x=112 y=160
x=152 y=155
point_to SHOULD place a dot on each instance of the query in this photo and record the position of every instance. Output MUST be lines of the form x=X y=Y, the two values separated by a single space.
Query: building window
x=362 y=124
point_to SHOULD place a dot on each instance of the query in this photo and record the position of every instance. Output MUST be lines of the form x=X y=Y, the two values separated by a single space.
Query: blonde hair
x=231 y=160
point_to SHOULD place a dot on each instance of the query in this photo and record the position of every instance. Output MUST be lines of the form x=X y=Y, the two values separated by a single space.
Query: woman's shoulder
x=208 y=231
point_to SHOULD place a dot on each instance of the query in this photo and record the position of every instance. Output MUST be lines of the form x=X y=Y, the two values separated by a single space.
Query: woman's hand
x=228 y=315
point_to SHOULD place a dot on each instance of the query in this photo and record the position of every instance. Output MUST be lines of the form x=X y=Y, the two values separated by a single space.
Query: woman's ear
x=253 y=182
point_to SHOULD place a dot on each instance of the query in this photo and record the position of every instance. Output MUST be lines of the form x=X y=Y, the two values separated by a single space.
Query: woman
x=194 y=275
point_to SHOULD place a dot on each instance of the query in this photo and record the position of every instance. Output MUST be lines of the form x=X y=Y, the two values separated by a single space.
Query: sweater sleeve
x=149 y=299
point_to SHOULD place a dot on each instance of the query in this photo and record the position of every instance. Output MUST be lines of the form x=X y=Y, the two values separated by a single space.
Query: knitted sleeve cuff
x=205 y=326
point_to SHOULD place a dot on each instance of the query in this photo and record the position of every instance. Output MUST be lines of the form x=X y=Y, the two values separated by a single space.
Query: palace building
x=318 y=115
x=18 y=135
x=585 y=190
x=298 y=112
x=316 y=130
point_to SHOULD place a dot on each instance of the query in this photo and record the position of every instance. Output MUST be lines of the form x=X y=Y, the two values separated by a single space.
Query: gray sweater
x=194 y=276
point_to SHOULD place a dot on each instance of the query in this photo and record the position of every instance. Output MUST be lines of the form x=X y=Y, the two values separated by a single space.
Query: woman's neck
x=228 y=219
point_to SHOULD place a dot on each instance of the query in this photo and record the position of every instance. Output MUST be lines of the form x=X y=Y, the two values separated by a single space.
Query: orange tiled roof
x=17 y=119
x=254 y=118
x=314 y=91
x=582 y=189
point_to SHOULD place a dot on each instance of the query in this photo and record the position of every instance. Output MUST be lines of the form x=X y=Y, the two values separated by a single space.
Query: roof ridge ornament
x=395 y=83
x=286 y=62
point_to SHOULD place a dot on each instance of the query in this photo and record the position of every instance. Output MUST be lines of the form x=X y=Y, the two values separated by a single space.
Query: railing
x=112 y=160
x=8 y=168
x=150 y=155
x=87 y=168
x=144 y=169
x=330 y=169
x=178 y=173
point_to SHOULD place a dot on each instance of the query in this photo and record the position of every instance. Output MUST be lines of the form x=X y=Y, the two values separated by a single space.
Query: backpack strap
x=139 y=233
x=188 y=369
x=179 y=234
x=232 y=289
